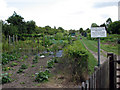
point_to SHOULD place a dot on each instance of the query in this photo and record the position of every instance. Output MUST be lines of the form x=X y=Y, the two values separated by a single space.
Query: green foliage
x=13 y=64
x=23 y=66
x=78 y=59
x=58 y=36
x=6 y=68
x=20 y=71
x=114 y=27
x=5 y=78
x=6 y=58
x=81 y=30
x=42 y=76
x=55 y=59
x=50 y=63
x=94 y=25
x=35 y=60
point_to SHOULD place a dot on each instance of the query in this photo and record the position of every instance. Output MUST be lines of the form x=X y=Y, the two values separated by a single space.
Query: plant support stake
x=98 y=51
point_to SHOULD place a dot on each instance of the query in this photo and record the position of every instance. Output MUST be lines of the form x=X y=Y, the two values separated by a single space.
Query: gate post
x=112 y=71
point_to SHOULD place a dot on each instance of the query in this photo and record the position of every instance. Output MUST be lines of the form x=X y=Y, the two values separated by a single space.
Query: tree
x=94 y=25
x=108 y=21
x=30 y=26
x=61 y=29
x=114 y=27
x=87 y=30
x=15 y=19
x=81 y=30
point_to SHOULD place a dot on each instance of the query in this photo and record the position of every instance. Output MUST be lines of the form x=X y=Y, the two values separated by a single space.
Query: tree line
x=16 y=24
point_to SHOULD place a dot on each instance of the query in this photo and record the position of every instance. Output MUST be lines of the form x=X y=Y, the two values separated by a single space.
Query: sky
x=69 y=14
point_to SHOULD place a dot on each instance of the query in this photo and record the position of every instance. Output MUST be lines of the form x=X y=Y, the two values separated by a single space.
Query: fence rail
x=105 y=76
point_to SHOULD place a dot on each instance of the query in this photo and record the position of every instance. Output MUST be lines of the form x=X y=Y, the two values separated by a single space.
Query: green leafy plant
x=33 y=65
x=55 y=60
x=6 y=58
x=50 y=63
x=23 y=66
x=5 y=78
x=25 y=57
x=20 y=71
x=14 y=64
x=6 y=68
x=42 y=76
x=35 y=60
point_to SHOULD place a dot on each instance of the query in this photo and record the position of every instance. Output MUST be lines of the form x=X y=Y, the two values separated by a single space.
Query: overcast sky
x=69 y=14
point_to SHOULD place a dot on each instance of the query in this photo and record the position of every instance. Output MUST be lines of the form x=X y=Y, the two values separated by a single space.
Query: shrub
x=78 y=59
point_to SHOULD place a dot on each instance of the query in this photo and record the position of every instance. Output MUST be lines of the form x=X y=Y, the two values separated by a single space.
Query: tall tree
x=15 y=19
x=30 y=26
x=81 y=30
x=114 y=27
x=94 y=25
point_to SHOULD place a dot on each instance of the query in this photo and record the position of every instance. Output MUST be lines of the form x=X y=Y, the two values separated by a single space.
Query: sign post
x=99 y=51
x=97 y=32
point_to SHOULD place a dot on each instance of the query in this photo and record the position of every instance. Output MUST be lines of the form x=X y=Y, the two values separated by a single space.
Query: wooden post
x=86 y=85
x=38 y=45
x=13 y=39
x=9 y=39
x=112 y=76
x=95 y=70
x=16 y=38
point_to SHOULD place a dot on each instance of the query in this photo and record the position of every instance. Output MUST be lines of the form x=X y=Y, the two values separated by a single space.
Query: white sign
x=98 y=32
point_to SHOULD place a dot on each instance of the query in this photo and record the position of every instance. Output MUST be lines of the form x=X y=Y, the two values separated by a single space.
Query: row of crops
x=73 y=53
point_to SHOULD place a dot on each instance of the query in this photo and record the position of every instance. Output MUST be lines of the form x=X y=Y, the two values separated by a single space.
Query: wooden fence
x=105 y=76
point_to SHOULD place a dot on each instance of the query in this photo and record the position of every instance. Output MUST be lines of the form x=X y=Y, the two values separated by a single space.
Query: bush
x=78 y=59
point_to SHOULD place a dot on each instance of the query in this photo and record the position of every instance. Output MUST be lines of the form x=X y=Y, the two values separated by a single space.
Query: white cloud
x=69 y=14
x=6 y=11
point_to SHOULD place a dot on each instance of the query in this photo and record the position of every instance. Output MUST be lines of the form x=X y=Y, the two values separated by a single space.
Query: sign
x=98 y=32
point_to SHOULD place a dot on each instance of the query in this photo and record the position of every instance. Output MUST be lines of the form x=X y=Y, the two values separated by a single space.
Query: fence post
x=95 y=70
x=112 y=73
x=83 y=85
x=9 y=39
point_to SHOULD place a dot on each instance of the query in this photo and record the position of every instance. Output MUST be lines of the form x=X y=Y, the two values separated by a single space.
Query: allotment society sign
x=98 y=32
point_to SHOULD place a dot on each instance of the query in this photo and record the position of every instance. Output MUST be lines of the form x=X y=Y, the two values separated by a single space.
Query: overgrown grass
x=108 y=44
x=92 y=62
x=90 y=44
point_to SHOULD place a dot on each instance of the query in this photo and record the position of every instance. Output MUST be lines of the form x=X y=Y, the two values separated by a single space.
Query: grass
x=92 y=62
x=90 y=44
x=110 y=47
